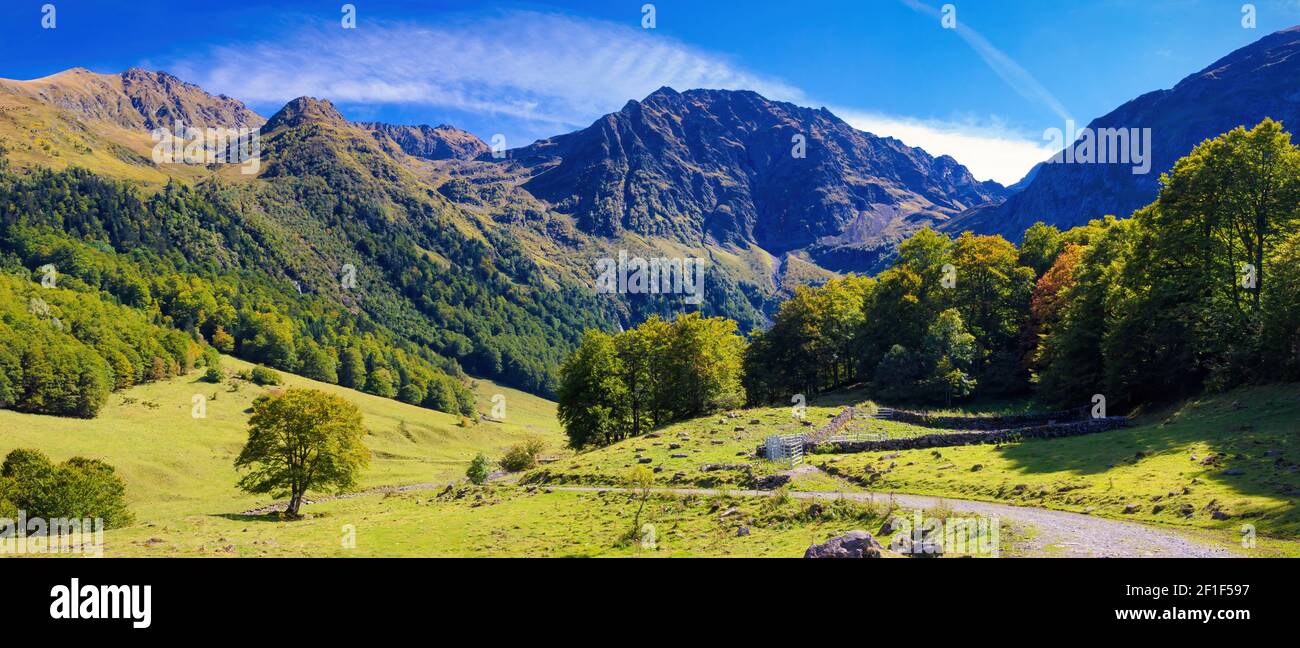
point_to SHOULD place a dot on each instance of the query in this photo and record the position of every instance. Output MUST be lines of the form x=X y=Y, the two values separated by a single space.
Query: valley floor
x=1180 y=483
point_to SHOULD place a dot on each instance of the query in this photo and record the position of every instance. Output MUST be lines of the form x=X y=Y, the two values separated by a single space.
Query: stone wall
x=994 y=423
x=836 y=424
x=1090 y=426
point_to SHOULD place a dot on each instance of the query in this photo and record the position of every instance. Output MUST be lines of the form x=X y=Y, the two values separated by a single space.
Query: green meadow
x=1207 y=466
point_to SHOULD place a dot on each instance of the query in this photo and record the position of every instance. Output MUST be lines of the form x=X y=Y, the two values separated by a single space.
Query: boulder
x=854 y=544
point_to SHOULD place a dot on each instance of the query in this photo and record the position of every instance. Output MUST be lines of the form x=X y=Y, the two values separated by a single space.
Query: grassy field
x=507 y=521
x=1217 y=463
x=718 y=450
x=176 y=465
x=1228 y=459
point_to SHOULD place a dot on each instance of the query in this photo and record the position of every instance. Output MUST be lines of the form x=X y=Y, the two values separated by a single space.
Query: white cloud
x=532 y=66
x=989 y=150
x=555 y=73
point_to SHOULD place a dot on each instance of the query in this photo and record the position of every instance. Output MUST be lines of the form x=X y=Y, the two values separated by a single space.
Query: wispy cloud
x=1004 y=66
x=538 y=67
x=551 y=72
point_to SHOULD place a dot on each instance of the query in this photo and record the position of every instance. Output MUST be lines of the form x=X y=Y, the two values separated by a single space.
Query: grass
x=717 y=440
x=1156 y=471
x=181 y=481
x=175 y=465
x=505 y=521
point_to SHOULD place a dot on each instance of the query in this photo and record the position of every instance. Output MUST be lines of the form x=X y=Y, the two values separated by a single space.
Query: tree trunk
x=295 y=501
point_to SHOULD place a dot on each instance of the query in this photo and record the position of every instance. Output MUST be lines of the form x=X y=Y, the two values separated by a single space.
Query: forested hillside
x=125 y=274
x=1198 y=291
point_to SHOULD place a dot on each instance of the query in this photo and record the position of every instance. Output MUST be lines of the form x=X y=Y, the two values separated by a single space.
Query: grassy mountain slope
x=102 y=122
x=175 y=465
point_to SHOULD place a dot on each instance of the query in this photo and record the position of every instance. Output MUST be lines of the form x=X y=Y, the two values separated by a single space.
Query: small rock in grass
x=854 y=544
x=742 y=532
x=891 y=525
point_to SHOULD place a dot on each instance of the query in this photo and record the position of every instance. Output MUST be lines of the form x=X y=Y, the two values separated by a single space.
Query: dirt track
x=1052 y=533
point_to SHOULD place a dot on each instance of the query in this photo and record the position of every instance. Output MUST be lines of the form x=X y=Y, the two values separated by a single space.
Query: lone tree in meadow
x=301 y=439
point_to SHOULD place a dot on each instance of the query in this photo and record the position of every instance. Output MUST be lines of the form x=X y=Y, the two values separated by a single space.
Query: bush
x=478 y=469
x=213 y=375
x=266 y=376
x=523 y=456
x=77 y=488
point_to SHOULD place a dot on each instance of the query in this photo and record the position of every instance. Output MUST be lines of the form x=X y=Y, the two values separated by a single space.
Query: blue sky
x=984 y=92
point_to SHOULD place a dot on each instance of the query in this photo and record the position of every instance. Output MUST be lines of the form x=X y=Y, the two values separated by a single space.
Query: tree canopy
x=302 y=439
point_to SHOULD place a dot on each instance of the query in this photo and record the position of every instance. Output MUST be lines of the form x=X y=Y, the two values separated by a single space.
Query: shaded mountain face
x=1241 y=89
x=490 y=263
x=135 y=99
x=429 y=142
x=721 y=167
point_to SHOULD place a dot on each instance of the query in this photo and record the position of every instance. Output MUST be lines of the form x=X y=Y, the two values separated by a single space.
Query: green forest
x=1198 y=291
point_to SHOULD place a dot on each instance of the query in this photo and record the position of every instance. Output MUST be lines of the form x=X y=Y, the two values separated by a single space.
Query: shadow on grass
x=261 y=517
x=1253 y=434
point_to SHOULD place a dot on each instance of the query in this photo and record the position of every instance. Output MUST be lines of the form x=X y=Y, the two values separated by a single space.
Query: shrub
x=478 y=469
x=523 y=456
x=266 y=376
x=213 y=375
x=77 y=488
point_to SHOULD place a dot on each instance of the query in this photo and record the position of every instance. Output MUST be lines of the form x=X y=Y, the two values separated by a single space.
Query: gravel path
x=1055 y=533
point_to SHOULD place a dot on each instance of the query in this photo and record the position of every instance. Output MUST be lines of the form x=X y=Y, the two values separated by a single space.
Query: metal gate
x=786 y=448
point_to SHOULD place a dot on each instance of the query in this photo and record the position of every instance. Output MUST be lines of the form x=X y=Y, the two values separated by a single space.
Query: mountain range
x=487 y=257
x=1241 y=89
